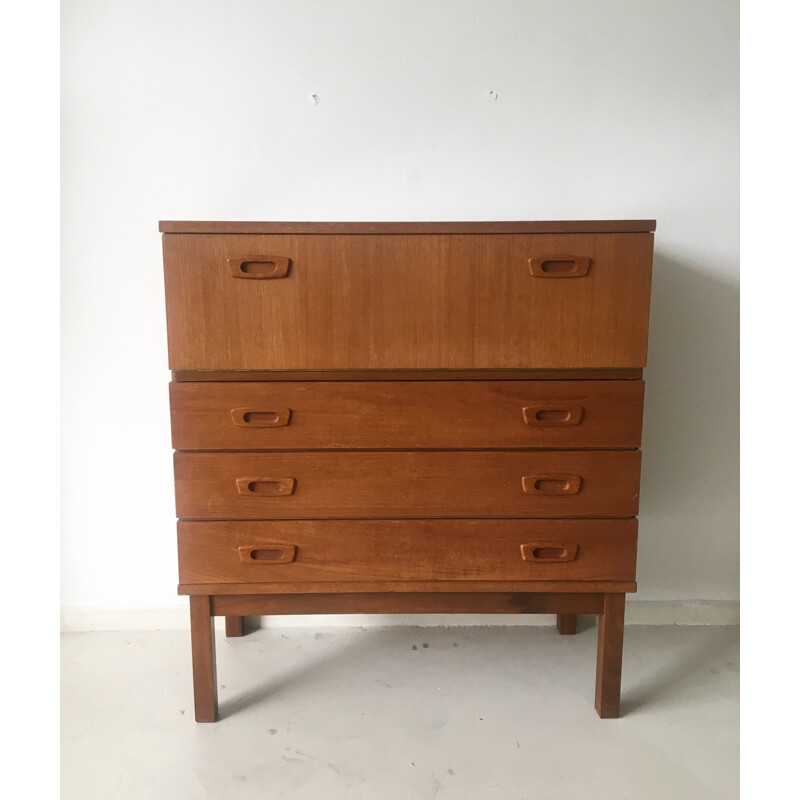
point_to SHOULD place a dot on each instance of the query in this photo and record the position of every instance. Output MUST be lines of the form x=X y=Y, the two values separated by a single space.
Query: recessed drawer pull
x=551 y=484
x=265 y=487
x=256 y=418
x=269 y=553
x=548 y=553
x=548 y=415
x=259 y=267
x=560 y=266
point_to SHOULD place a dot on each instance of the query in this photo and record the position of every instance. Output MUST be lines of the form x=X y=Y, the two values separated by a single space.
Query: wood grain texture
x=401 y=587
x=440 y=302
x=618 y=374
x=353 y=415
x=609 y=656
x=394 y=550
x=410 y=603
x=204 y=668
x=565 y=226
x=406 y=484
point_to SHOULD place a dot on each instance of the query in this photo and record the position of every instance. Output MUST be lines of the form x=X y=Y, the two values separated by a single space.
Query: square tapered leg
x=567 y=624
x=204 y=669
x=609 y=656
x=234 y=626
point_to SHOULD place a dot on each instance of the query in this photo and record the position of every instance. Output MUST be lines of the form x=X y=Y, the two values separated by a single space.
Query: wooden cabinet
x=407 y=417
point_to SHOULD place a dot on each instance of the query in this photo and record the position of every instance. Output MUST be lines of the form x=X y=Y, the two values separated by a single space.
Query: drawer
x=518 y=301
x=406 y=414
x=405 y=550
x=580 y=483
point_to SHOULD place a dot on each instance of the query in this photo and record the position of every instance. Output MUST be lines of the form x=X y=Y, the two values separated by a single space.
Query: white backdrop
x=460 y=110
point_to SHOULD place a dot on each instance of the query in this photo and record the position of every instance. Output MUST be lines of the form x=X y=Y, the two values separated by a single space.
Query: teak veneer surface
x=411 y=302
x=392 y=588
x=392 y=550
x=410 y=603
x=195 y=375
x=347 y=484
x=406 y=414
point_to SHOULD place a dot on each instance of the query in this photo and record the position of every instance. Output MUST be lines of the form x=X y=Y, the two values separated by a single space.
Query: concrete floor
x=401 y=713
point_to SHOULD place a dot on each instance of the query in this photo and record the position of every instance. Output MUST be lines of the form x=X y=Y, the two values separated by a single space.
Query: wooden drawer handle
x=551 y=484
x=548 y=553
x=255 y=418
x=265 y=487
x=268 y=553
x=548 y=415
x=259 y=267
x=560 y=266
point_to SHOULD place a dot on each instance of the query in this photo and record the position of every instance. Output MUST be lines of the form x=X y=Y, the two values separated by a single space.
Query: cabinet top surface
x=570 y=226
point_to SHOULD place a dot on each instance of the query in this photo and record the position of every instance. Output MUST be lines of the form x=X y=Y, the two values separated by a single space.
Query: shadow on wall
x=690 y=468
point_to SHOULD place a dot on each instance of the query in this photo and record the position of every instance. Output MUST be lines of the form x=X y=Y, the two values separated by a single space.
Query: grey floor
x=401 y=713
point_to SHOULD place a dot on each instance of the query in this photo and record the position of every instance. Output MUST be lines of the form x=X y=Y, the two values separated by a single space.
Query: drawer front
x=406 y=415
x=407 y=484
x=407 y=302
x=398 y=550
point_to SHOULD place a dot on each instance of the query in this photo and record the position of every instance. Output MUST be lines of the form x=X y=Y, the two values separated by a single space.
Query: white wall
x=462 y=110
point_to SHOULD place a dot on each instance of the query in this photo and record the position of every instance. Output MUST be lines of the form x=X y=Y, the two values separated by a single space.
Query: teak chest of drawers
x=407 y=418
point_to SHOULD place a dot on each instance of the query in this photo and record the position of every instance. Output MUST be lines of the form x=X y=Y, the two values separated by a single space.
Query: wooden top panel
x=570 y=226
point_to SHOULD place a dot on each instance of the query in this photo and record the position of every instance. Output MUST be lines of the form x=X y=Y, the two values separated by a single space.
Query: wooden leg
x=609 y=656
x=567 y=624
x=204 y=668
x=234 y=626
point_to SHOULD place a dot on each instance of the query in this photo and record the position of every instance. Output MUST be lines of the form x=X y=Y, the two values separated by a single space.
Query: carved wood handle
x=268 y=553
x=560 y=266
x=548 y=553
x=257 y=418
x=259 y=267
x=265 y=487
x=551 y=484
x=550 y=414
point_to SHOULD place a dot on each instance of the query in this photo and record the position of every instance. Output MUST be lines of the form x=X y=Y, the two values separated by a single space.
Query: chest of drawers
x=407 y=418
